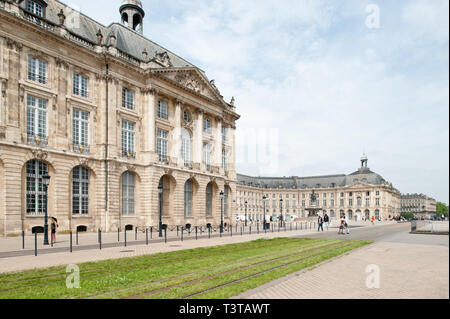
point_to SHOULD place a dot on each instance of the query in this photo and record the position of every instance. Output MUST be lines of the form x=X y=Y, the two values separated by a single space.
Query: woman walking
x=54 y=226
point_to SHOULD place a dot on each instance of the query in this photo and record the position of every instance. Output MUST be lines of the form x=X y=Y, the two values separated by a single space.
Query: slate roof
x=294 y=182
x=127 y=40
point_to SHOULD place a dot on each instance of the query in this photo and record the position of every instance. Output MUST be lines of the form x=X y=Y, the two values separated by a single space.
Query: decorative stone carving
x=39 y=154
x=163 y=58
x=14 y=45
x=112 y=40
x=21 y=92
x=190 y=81
x=4 y=85
x=145 y=54
x=61 y=17
x=60 y=63
x=131 y=168
x=232 y=101
x=83 y=161
x=168 y=171
x=99 y=37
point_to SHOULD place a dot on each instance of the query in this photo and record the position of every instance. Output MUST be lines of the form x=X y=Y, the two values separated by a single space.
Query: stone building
x=422 y=206
x=360 y=195
x=111 y=116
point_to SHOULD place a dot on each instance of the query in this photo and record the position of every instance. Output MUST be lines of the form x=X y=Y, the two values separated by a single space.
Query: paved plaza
x=410 y=267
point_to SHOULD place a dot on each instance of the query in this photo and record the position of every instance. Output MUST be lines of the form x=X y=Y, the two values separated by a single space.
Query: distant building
x=420 y=205
x=359 y=195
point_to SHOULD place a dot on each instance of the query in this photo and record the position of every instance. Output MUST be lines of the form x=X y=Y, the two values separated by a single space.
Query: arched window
x=377 y=214
x=367 y=213
x=331 y=213
x=209 y=200
x=225 y=201
x=188 y=198
x=35 y=189
x=80 y=191
x=186 y=147
x=359 y=201
x=350 y=214
x=128 y=186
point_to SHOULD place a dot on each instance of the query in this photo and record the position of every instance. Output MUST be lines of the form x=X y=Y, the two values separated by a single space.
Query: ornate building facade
x=420 y=205
x=112 y=117
x=359 y=195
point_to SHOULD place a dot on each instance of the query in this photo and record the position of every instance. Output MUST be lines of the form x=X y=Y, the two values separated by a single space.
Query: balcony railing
x=37 y=140
x=129 y=154
x=39 y=21
x=163 y=159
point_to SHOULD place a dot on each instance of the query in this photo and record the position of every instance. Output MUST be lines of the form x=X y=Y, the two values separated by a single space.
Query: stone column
x=176 y=134
x=151 y=105
x=218 y=144
x=198 y=138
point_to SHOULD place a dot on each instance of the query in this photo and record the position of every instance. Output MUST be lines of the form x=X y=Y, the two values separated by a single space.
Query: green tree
x=441 y=209
x=408 y=215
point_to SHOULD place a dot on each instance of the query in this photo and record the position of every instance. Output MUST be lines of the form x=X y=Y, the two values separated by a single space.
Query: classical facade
x=112 y=117
x=359 y=195
x=420 y=205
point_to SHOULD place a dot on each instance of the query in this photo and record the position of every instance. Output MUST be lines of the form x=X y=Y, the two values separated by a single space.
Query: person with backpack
x=347 y=230
x=320 y=223
x=326 y=221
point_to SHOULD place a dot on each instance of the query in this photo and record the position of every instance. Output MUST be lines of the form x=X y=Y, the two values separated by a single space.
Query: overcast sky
x=322 y=78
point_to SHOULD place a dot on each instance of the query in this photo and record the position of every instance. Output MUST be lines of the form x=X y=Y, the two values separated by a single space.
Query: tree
x=408 y=215
x=441 y=209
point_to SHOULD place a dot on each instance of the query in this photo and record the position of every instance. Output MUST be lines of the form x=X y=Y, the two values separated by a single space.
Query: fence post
x=23 y=239
x=146 y=236
x=71 y=241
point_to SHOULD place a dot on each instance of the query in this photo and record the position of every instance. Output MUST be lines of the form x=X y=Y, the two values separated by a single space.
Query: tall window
x=350 y=202
x=209 y=200
x=127 y=98
x=80 y=127
x=224 y=133
x=225 y=201
x=186 y=147
x=224 y=160
x=161 y=145
x=128 y=186
x=35 y=190
x=127 y=138
x=332 y=203
x=36 y=117
x=207 y=156
x=162 y=110
x=342 y=203
x=367 y=201
x=37 y=70
x=377 y=214
x=80 y=191
x=35 y=8
x=359 y=201
x=80 y=85
x=377 y=201
x=207 y=126
x=188 y=198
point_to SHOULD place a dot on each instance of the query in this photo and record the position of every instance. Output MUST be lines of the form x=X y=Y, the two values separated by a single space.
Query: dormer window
x=35 y=8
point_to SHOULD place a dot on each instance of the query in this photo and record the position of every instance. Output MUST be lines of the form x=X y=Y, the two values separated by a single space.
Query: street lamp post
x=264 y=205
x=281 y=211
x=45 y=183
x=160 y=192
x=221 y=211
x=245 y=213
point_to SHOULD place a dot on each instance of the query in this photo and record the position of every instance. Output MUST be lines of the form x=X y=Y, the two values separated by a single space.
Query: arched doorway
x=358 y=215
x=167 y=185
x=367 y=214
x=211 y=199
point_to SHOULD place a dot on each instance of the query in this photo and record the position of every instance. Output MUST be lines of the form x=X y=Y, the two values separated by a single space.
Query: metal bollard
x=151 y=232
x=100 y=238
x=209 y=232
x=177 y=231
x=71 y=249
x=242 y=229
x=135 y=233
x=257 y=228
x=125 y=237
x=250 y=229
x=35 y=244
x=182 y=231
x=231 y=231
x=51 y=240
x=146 y=236
x=76 y=238
x=196 y=231
x=118 y=234
x=23 y=239
x=165 y=235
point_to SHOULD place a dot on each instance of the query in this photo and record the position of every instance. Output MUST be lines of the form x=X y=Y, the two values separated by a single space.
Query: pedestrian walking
x=341 y=225
x=326 y=221
x=320 y=223
x=54 y=226
x=346 y=222
x=373 y=220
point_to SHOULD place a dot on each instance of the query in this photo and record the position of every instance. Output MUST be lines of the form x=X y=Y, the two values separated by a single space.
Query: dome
x=132 y=4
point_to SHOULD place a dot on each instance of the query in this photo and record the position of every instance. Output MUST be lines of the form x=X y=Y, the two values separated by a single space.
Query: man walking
x=326 y=220
x=347 y=230
x=320 y=222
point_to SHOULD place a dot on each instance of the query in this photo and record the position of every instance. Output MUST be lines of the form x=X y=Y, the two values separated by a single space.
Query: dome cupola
x=132 y=15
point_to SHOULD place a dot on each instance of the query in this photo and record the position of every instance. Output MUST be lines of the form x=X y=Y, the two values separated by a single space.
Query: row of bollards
x=230 y=228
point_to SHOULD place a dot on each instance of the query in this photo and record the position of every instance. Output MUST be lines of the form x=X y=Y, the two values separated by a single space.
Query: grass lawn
x=207 y=273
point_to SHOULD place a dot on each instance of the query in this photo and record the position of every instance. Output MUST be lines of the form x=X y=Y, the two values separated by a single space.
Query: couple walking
x=323 y=222
x=344 y=225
